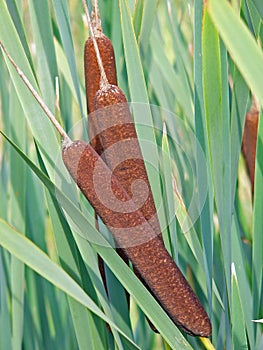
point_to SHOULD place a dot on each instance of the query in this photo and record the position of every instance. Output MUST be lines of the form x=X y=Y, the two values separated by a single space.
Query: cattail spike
x=104 y=81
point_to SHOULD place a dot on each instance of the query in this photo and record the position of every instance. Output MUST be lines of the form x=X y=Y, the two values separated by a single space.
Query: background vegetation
x=177 y=55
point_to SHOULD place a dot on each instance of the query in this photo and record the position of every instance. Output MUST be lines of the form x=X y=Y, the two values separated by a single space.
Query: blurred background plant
x=197 y=65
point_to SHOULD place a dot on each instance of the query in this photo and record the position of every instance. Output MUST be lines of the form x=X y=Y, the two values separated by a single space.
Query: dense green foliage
x=175 y=61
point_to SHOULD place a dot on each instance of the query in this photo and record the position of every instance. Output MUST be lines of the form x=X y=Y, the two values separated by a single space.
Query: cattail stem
x=95 y=10
x=104 y=81
x=50 y=115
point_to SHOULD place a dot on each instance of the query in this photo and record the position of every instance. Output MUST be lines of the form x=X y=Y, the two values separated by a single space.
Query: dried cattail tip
x=132 y=232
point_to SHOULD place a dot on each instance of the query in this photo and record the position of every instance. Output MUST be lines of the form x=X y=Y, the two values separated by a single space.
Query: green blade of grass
x=15 y=13
x=257 y=257
x=62 y=15
x=203 y=172
x=17 y=210
x=259 y=7
x=232 y=30
x=43 y=131
x=31 y=255
x=171 y=76
x=245 y=291
x=214 y=62
x=5 y=334
x=238 y=113
x=170 y=235
x=148 y=16
x=83 y=320
x=239 y=339
x=46 y=59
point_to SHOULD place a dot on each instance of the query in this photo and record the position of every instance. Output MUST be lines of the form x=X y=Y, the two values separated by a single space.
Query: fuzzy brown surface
x=249 y=143
x=149 y=257
x=92 y=77
x=121 y=149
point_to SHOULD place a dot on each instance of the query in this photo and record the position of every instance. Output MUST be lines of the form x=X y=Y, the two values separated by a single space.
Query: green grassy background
x=176 y=56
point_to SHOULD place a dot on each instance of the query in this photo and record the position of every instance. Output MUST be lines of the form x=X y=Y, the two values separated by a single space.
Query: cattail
x=92 y=83
x=131 y=231
x=249 y=141
x=122 y=151
x=93 y=74
x=112 y=122
x=119 y=130
x=149 y=256
x=136 y=229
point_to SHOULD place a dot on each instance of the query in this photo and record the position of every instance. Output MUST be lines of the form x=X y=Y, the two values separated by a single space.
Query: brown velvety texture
x=121 y=149
x=249 y=143
x=140 y=243
x=92 y=77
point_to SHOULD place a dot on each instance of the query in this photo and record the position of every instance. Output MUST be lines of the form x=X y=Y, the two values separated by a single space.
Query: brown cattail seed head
x=93 y=78
x=249 y=143
x=149 y=256
x=121 y=149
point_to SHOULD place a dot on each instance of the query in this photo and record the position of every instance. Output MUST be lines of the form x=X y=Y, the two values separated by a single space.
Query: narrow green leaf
x=17 y=210
x=148 y=17
x=170 y=241
x=239 y=340
x=240 y=268
x=217 y=121
x=62 y=15
x=257 y=259
x=204 y=175
x=31 y=255
x=232 y=30
x=5 y=322
x=238 y=113
x=42 y=129
x=259 y=7
x=46 y=59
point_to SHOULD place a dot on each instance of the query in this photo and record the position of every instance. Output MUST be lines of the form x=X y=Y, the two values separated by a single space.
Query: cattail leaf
x=5 y=322
x=62 y=15
x=257 y=257
x=31 y=255
x=232 y=29
x=44 y=45
x=18 y=210
x=239 y=339
x=43 y=131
